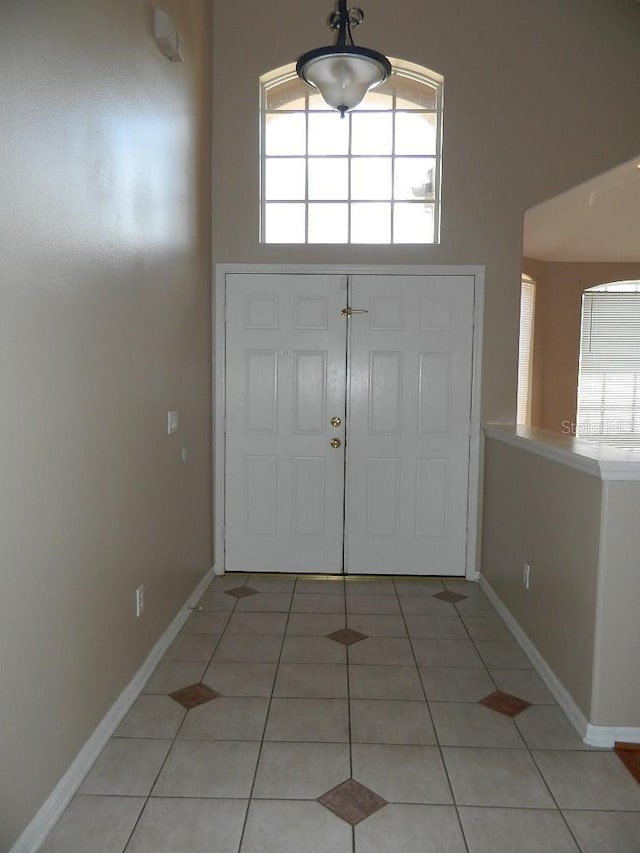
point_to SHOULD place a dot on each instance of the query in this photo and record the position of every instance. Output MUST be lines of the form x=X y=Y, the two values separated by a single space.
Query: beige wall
x=559 y=289
x=517 y=130
x=104 y=307
x=104 y=288
x=581 y=537
x=548 y=515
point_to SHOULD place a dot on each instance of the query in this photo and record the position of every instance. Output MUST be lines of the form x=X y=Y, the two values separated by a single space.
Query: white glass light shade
x=343 y=77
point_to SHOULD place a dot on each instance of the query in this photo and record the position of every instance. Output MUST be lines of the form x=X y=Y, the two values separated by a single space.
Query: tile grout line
x=477 y=651
x=283 y=636
x=266 y=719
x=551 y=794
x=435 y=731
x=179 y=729
x=526 y=745
x=486 y=807
x=346 y=625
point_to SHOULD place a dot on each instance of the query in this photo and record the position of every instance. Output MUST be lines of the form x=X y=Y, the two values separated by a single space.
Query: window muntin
x=609 y=373
x=372 y=177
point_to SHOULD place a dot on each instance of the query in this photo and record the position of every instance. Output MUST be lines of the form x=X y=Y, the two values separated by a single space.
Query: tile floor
x=421 y=728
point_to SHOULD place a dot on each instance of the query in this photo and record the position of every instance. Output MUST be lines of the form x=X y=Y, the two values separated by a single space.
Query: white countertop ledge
x=593 y=457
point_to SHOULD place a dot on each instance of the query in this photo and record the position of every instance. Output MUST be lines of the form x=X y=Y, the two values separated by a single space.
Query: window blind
x=609 y=374
x=525 y=351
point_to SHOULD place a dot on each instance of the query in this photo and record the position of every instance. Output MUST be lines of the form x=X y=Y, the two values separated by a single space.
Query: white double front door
x=348 y=423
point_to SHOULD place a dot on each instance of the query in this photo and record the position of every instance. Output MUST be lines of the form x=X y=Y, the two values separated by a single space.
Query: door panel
x=285 y=357
x=385 y=393
x=404 y=408
x=310 y=393
x=261 y=384
x=410 y=364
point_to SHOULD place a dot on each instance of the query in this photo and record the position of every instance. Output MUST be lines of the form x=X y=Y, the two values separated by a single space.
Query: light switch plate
x=172 y=422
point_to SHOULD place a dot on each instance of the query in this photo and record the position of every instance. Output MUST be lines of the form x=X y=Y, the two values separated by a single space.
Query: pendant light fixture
x=343 y=73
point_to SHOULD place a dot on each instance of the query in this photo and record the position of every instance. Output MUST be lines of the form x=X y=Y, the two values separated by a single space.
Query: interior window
x=525 y=352
x=609 y=373
x=371 y=177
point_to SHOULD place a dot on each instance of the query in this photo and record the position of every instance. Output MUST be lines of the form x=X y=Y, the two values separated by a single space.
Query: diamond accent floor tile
x=449 y=596
x=629 y=754
x=505 y=703
x=268 y=751
x=194 y=695
x=241 y=591
x=352 y=801
x=347 y=636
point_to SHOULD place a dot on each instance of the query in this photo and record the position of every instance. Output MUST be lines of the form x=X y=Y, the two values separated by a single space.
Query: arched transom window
x=372 y=177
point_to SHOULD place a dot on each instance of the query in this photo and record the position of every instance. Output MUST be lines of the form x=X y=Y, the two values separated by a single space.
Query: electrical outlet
x=526 y=572
x=140 y=601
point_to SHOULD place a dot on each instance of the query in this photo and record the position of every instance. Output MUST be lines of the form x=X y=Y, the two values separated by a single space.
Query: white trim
x=606 y=736
x=218 y=354
x=218 y=351
x=602 y=736
x=222 y=270
x=557 y=689
x=598 y=459
x=473 y=500
x=48 y=814
x=599 y=615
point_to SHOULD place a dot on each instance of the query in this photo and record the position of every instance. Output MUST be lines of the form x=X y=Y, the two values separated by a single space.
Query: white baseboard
x=608 y=735
x=48 y=814
x=603 y=736
x=557 y=689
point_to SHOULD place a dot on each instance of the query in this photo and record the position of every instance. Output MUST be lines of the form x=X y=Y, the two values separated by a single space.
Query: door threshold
x=365 y=578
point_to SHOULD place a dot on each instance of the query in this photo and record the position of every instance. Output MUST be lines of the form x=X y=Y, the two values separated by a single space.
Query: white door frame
x=219 y=372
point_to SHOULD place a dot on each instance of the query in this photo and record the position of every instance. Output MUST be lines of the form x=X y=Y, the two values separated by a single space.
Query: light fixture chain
x=346 y=18
x=356 y=17
x=343 y=73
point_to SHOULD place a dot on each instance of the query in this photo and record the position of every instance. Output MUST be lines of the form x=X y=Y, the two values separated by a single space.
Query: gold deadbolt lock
x=335 y=443
x=335 y=422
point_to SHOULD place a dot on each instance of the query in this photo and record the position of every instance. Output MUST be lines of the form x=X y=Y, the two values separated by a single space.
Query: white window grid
x=433 y=203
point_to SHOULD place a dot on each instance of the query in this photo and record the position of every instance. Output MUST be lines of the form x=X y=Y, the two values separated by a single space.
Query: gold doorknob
x=335 y=443
x=335 y=422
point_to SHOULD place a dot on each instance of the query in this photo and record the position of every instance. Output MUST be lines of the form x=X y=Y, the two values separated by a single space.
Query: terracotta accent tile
x=629 y=754
x=505 y=703
x=347 y=636
x=193 y=695
x=241 y=591
x=352 y=801
x=447 y=595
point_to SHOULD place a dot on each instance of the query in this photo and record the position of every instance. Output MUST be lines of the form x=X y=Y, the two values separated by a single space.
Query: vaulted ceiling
x=595 y=221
